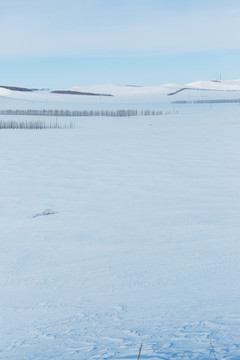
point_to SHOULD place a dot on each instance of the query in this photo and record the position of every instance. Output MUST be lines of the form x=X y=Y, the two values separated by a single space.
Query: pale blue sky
x=62 y=43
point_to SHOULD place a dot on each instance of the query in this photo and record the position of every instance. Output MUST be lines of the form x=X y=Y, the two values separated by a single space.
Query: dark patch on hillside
x=198 y=89
x=177 y=91
x=70 y=92
x=135 y=86
x=16 y=88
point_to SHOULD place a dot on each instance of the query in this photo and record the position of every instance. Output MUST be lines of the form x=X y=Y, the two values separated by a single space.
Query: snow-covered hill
x=121 y=93
x=115 y=89
x=225 y=85
x=228 y=85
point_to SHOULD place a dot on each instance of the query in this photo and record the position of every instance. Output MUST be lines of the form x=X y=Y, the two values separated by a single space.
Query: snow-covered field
x=141 y=244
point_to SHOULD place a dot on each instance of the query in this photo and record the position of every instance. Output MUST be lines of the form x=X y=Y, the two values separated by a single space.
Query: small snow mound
x=45 y=212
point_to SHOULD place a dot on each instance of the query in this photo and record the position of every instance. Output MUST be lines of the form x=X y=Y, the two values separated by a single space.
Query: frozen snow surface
x=121 y=231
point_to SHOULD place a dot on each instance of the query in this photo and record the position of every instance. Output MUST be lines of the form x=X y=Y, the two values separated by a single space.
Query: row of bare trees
x=33 y=125
x=112 y=113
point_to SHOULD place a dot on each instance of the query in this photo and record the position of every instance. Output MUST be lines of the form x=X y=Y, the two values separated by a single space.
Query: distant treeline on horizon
x=209 y=101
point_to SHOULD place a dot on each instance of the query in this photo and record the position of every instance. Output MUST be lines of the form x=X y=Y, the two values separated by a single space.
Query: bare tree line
x=113 y=113
x=35 y=125
x=207 y=101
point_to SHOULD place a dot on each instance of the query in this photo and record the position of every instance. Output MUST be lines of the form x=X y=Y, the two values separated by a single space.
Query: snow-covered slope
x=115 y=89
x=226 y=85
x=123 y=95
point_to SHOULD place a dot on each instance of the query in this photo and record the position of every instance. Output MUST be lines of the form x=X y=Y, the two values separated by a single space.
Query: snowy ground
x=144 y=244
